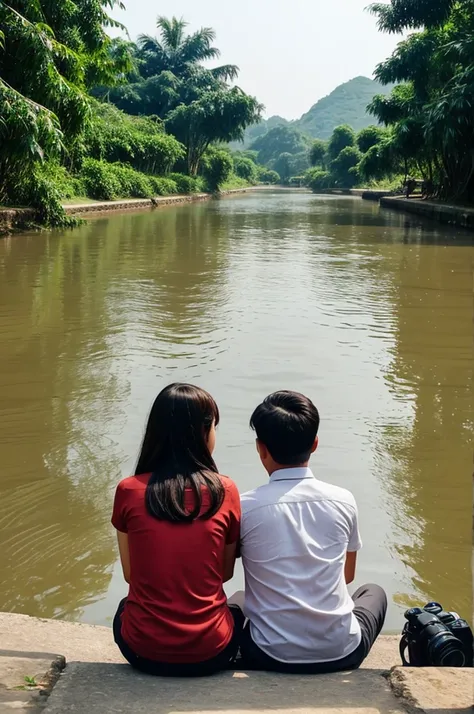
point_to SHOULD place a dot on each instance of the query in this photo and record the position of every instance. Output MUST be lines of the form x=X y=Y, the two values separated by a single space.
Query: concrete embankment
x=134 y=204
x=459 y=216
x=367 y=194
x=17 y=219
x=96 y=681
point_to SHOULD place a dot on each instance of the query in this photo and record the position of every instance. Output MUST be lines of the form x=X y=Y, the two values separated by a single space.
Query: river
x=368 y=312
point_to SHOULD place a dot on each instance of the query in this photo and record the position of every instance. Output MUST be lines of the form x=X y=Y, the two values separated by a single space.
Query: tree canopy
x=55 y=54
x=215 y=116
x=280 y=140
x=342 y=137
x=50 y=54
x=178 y=53
x=318 y=152
x=430 y=114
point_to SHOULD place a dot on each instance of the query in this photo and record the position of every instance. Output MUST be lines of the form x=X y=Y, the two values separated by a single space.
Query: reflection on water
x=368 y=312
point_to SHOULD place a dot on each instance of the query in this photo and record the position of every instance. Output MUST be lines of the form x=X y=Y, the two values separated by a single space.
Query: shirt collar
x=297 y=474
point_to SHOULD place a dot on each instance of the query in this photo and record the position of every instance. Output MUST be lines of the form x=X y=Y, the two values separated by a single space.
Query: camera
x=436 y=638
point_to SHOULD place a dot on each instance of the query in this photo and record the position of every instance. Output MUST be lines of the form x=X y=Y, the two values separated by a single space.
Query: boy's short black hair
x=287 y=423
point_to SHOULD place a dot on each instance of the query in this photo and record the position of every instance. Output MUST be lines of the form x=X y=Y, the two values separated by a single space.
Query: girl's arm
x=233 y=534
x=124 y=554
x=230 y=553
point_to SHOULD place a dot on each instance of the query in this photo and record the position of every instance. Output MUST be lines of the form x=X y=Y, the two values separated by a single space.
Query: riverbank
x=96 y=681
x=458 y=216
x=18 y=219
x=367 y=194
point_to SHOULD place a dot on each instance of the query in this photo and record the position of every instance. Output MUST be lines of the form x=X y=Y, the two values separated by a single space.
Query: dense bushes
x=216 y=167
x=163 y=186
x=138 y=141
x=268 y=175
x=245 y=168
x=58 y=142
x=106 y=182
x=187 y=184
x=318 y=179
x=349 y=159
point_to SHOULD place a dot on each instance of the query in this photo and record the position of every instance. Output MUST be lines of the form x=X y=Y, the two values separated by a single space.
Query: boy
x=299 y=543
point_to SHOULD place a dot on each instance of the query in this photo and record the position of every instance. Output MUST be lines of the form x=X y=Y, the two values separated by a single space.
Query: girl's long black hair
x=175 y=451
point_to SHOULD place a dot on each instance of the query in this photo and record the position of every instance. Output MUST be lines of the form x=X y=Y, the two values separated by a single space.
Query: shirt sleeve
x=233 y=534
x=355 y=541
x=119 y=520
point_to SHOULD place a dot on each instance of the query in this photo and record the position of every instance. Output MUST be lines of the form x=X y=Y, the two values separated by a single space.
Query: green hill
x=347 y=104
x=257 y=131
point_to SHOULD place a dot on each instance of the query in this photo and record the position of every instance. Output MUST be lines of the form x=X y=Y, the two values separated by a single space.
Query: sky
x=290 y=52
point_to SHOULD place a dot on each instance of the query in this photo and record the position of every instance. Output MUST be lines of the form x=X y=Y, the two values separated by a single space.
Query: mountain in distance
x=254 y=132
x=347 y=104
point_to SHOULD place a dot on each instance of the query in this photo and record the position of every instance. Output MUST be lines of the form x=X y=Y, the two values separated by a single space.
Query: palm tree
x=175 y=51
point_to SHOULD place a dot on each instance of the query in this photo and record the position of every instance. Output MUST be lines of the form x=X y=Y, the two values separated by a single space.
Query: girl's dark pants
x=163 y=669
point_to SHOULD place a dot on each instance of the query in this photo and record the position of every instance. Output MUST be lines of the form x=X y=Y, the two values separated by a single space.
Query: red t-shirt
x=176 y=610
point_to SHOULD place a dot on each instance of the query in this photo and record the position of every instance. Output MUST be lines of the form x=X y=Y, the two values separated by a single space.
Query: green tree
x=216 y=116
x=245 y=168
x=280 y=140
x=431 y=114
x=369 y=137
x=342 y=137
x=318 y=152
x=381 y=161
x=176 y=52
x=399 y=15
x=299 y=163
x=283 y=166
x=344 y=169
x=217 y=166
x=50 y=54
x=317 y=179
x=268 y=175
x=139 y=142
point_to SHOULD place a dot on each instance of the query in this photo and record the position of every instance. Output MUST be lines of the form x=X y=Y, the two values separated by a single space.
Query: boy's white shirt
x=296 y=532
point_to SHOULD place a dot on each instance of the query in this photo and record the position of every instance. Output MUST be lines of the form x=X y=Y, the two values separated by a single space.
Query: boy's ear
x=315 y=445
x=262 y=449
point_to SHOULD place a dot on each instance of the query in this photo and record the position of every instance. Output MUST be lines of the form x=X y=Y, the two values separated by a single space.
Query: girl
x=178 y=526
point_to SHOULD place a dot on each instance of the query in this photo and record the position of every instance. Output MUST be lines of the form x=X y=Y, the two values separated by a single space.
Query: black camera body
x=436 y=638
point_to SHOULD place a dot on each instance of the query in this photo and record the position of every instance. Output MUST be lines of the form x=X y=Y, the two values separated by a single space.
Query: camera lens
x=446 y=651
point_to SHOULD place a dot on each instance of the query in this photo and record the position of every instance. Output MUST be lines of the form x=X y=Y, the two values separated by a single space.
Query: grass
x=30 y=683
x=234 y=182
x=78 y=200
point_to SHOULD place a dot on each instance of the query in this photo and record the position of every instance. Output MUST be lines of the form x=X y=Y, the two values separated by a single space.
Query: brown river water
x=367 y=311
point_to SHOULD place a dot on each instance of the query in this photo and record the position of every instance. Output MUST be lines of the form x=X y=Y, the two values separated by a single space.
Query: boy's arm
x=350 y=568
x=354 y=545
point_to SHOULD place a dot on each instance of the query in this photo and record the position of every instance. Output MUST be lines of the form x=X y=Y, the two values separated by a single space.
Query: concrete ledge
x=97 y=681
x=460 y=216
x=342 y=191
x=14 y=219
x=372 y=195
x=110 y=689
x=91 y=643
x=27 y=679
x=367 y=194
x=443 y=690
x=132 y=204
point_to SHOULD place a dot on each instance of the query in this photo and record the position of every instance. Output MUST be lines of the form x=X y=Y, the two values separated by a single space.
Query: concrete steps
x=96 y=681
